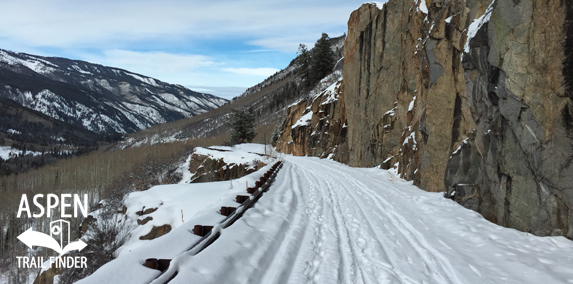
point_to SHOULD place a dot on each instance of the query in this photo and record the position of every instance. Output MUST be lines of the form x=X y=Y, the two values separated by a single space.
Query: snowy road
x=324 y=222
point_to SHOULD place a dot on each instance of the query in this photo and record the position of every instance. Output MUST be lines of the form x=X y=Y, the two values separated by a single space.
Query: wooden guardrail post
x=159 y=264
x=232 y=214
x=241 y=198
x=226 y=211
x=201 y=230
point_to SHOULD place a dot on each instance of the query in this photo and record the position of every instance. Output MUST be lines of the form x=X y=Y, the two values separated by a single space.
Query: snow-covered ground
x=324 y=222
x=198 y=202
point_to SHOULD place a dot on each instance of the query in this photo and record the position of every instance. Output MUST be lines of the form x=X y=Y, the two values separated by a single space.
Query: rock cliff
x=519 y=156
x=470 y=97
x=316 y=126
x=209 y=168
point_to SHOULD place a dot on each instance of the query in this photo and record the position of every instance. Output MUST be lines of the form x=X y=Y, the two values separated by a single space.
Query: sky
x=217 y=47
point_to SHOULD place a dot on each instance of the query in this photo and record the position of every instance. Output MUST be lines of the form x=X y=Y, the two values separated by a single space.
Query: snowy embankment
x=324 y=222
x=181 y=206
x=199 y=202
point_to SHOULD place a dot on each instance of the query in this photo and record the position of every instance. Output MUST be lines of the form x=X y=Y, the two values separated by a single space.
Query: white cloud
x=119 y=24
x=263 y=72
x=153 y=62
x=183 y=69
x=177 y=41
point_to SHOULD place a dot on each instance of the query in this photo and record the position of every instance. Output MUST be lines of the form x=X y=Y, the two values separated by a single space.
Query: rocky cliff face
x=519 y=156
x=472 y=97
x=316 y=126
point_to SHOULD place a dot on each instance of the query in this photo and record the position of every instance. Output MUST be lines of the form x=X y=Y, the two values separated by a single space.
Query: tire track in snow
x=364 y=239
x=292 y=239
x=369 y=235
x=430 y=256
x=262 y=257
x=324 y=222
x=346 y=268
x=444 y=272
x=357 y=237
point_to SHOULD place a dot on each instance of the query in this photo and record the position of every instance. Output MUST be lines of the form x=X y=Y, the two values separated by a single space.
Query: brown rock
x=156 y=232
x=86 y=224
x=146 y=211
x=144 y=221
x=515 y=73
x=47 y=277
x=207 y=169
x=324 y=135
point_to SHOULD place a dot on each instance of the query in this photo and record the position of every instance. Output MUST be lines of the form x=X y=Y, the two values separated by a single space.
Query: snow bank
x=182 y=206
x=331 y=93
x=12 y=131
x=422 y=7
x=411 y=106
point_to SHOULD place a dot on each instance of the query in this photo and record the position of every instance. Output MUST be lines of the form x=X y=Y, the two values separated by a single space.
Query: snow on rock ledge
x=219 y=163
x=315 y=127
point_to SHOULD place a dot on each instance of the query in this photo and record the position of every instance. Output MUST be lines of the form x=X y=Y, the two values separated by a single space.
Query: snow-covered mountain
x=99 y=98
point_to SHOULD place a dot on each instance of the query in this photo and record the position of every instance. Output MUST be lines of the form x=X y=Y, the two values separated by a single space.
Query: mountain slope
x=98 y=98
x=23 y=125
x=268 y=100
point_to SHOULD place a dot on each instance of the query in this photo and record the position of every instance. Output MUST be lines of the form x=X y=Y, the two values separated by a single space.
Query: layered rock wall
x=472 y=97
x=521 y=152
x=208 y=169
x=317 y=126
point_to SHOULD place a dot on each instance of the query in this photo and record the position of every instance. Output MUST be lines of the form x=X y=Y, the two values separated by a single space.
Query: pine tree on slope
x=323 y=58
x=243 y=126
x=304 y=70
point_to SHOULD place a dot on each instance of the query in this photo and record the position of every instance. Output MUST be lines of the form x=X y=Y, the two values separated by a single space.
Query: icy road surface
x=324 y=222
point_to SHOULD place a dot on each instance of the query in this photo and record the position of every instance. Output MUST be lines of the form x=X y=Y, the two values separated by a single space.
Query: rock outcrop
x=85 y=225
x=156 y=232
x=471 y=97
x=316 y=126
x=209 y=169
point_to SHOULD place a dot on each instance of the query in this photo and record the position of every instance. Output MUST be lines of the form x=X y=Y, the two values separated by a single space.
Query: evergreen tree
x=304 y=59
x=276 y=135
x=243 y=126
x=323 y=58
